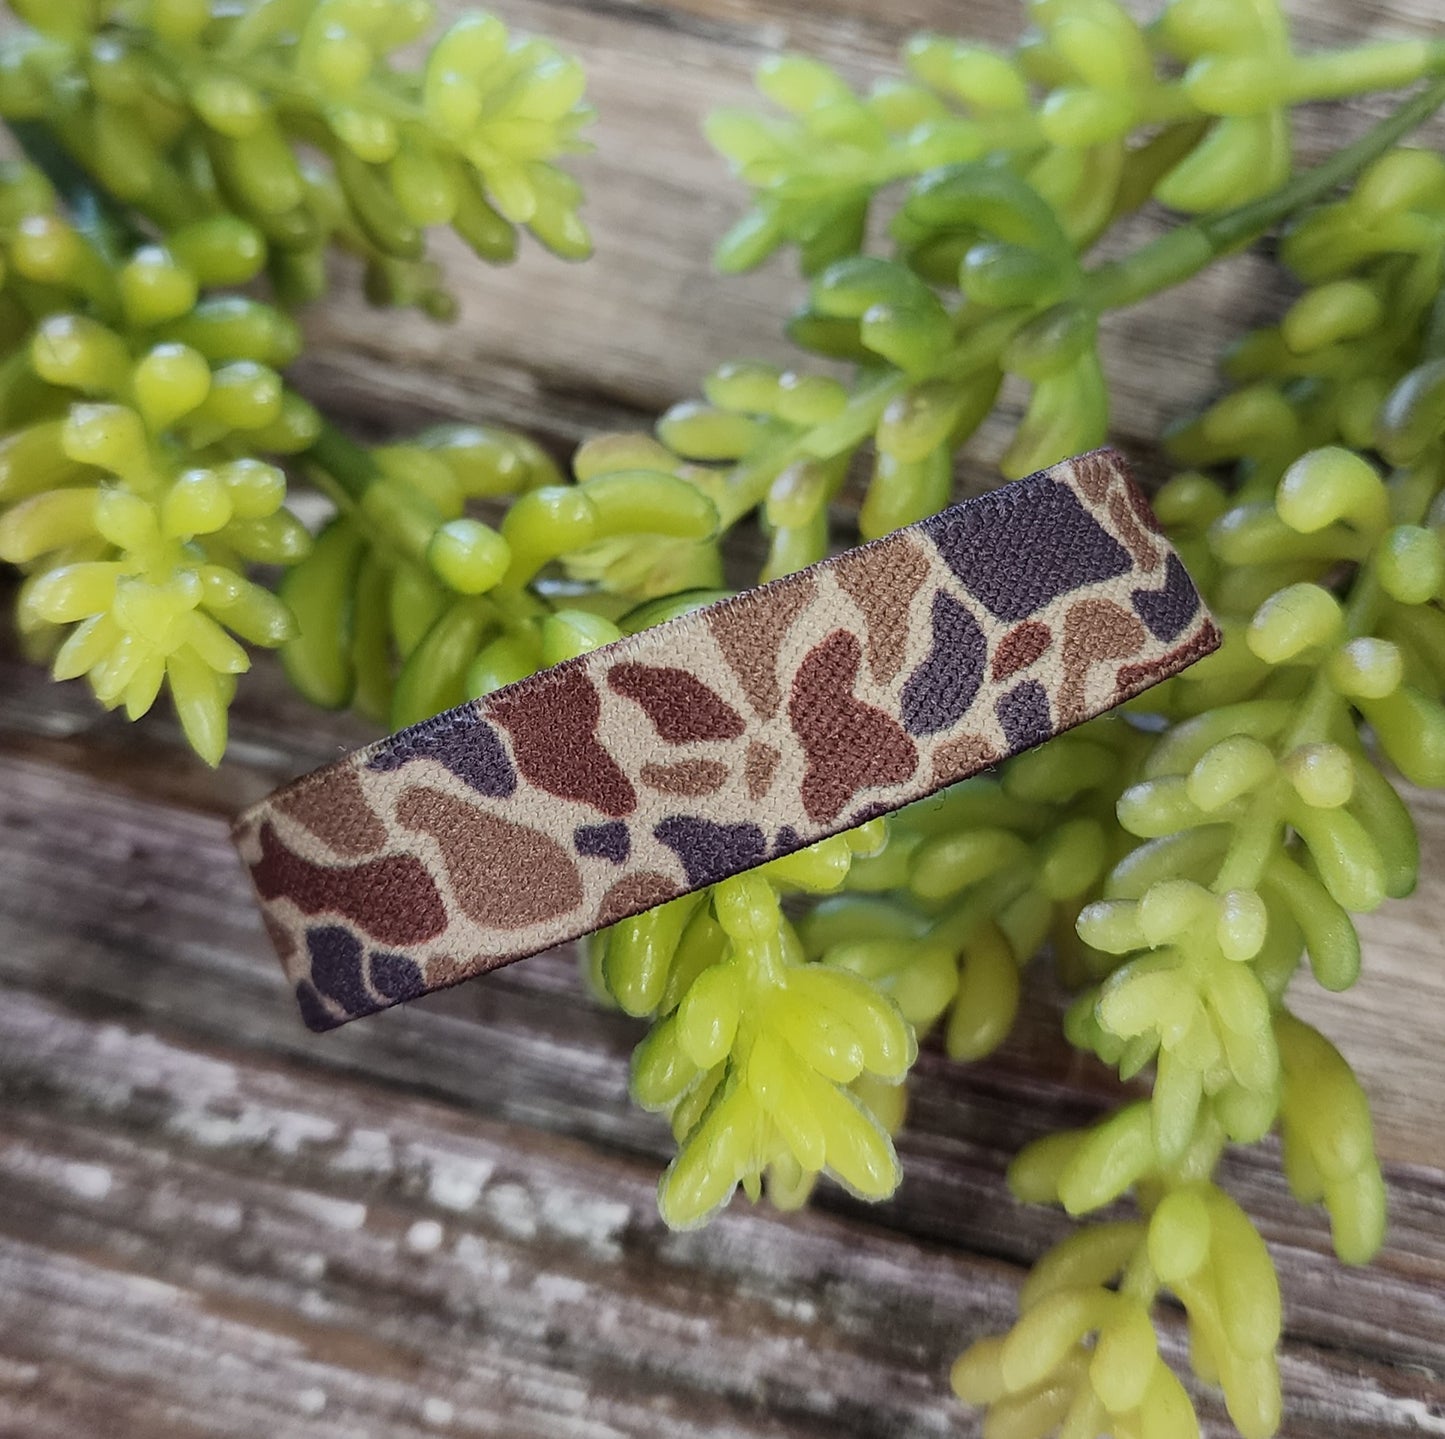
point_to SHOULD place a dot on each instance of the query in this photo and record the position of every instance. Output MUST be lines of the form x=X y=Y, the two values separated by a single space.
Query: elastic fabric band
x=717 y=741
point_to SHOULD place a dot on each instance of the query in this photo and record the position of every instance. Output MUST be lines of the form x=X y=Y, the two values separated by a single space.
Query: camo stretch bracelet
x=700 y=748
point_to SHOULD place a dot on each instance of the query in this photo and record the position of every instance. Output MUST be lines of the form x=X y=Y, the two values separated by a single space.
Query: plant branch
x=1183 y=253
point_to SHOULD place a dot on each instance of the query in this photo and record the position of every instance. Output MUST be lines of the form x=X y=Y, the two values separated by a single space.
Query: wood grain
x=442 y=1221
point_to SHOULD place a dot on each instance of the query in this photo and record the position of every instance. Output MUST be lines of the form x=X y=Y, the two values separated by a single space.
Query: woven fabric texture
x=705 y=746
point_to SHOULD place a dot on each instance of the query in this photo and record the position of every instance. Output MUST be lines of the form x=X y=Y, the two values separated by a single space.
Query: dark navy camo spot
x=469 y=747
x=710 y=851
x=604 y=841
x=336 y=967
x=395 y=976
x=1024 y=714
x=940 y=690
x=1022 y=547
x=1169 y=610
x=315 y=1014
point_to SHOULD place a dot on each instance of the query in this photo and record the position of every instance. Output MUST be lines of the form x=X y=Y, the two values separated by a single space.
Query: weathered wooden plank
x=217 y=1243
x=151 y=922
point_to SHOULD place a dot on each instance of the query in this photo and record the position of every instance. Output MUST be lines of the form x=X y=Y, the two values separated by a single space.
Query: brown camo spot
x=503 y=875
x=337 y=813
x=1132 y=679
x=392 y=899
x=681 y=707
x=882 y=581
x=554 y=742
x=445 y=970
x=1095 y=474
x=750 y=633
x=1143 y=510
x=956 y=759
x=689 y=776
x=850 y=745
x=1020 y=647
x=1135 y=537
x=634 y=894
x=760 y=767
x=1094 y=630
